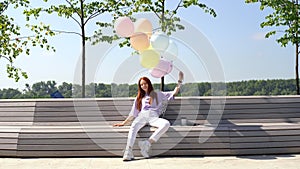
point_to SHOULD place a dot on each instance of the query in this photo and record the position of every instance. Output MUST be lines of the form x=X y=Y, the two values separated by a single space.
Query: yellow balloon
x=149 y=58
x=139 y=41
x=143 y=25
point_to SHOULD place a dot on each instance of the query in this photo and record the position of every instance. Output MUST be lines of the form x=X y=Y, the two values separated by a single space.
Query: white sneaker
x=145 y=146
x=128 y=155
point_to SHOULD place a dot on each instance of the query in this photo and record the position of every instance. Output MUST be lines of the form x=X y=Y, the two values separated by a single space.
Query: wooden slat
x=165 y=140
x=8 y=153
x=87 y=153
x=9 y=135
x=86 y=113
x=17 y=109
x=285 y=120
x=17 y=114
x=14 y=123
x=7 y=146
x=118 y=146
x=16 y=119
x=15 y=103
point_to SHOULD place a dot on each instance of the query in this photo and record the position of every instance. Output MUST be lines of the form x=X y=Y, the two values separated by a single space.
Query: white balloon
x=159 y=41
x=172 y=51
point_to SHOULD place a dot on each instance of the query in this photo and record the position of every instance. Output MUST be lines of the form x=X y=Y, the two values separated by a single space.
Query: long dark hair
x=142 y=93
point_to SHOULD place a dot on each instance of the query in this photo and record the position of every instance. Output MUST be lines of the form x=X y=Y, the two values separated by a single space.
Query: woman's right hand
x=128 y=119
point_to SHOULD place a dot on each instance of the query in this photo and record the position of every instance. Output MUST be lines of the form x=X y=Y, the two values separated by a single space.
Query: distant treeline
x=242 y=88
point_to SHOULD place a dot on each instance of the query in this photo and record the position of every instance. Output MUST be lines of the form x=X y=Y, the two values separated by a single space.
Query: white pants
x=151 y=118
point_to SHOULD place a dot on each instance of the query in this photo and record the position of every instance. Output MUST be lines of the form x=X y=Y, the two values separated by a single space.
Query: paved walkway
x=209 y=162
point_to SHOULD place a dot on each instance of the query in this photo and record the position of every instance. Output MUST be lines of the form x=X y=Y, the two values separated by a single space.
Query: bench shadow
x=255 y=142
x=266 y=157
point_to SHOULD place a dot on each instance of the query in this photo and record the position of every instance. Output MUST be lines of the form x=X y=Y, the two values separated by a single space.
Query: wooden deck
x=215 y=126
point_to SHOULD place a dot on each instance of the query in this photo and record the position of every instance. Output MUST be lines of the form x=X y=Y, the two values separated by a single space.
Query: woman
x=146 y=109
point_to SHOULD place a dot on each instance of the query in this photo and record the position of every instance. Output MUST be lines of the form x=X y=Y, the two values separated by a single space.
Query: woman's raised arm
x=177 y=88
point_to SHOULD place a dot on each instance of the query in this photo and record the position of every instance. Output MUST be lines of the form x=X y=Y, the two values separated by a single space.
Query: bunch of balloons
x=157 y=51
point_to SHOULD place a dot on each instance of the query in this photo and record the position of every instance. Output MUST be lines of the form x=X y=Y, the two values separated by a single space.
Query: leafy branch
x=12 y=44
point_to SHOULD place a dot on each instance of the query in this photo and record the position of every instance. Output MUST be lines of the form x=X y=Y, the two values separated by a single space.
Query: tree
x=285 y=15
x=82 y=12
x=168 y=20
x=40 y=89
x=66 y=89
x=12 y=44
x=102 y=90
x=10 y=93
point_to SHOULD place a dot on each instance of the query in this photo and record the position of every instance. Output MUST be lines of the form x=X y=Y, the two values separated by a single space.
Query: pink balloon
x=124 y=26
x=157 y=73
x=164 y=67
x=170 y=68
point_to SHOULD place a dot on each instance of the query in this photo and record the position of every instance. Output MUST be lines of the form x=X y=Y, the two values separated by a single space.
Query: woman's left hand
x=118 y=124
x=180 y=76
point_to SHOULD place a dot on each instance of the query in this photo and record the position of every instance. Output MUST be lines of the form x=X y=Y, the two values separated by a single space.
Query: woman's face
x=144 y=85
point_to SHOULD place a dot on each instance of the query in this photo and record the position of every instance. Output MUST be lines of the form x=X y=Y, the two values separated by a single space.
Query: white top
x=162 y=97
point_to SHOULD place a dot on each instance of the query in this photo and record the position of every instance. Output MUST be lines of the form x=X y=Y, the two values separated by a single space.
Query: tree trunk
x=162 y=83
x=83 y=70
x=297 y=51
x=297 y=68
x=162 y=79
x=83 y=51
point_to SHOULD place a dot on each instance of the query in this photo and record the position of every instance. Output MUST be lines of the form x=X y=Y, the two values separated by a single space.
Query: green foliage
x=40 y=90
x=102 y=90
x=286 y=15
x=10 y=93
x=12 y=44
x=68 y=90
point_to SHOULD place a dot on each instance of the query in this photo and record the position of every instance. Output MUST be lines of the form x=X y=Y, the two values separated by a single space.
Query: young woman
x=146 y=109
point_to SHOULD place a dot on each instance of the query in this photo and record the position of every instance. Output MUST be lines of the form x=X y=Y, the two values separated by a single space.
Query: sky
x=229 y=47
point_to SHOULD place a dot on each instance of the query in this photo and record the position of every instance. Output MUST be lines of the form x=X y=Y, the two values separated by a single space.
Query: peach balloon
x=143 y=25
x=139 y=41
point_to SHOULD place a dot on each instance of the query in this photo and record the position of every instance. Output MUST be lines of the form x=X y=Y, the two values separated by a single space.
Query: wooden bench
x=215 y=126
